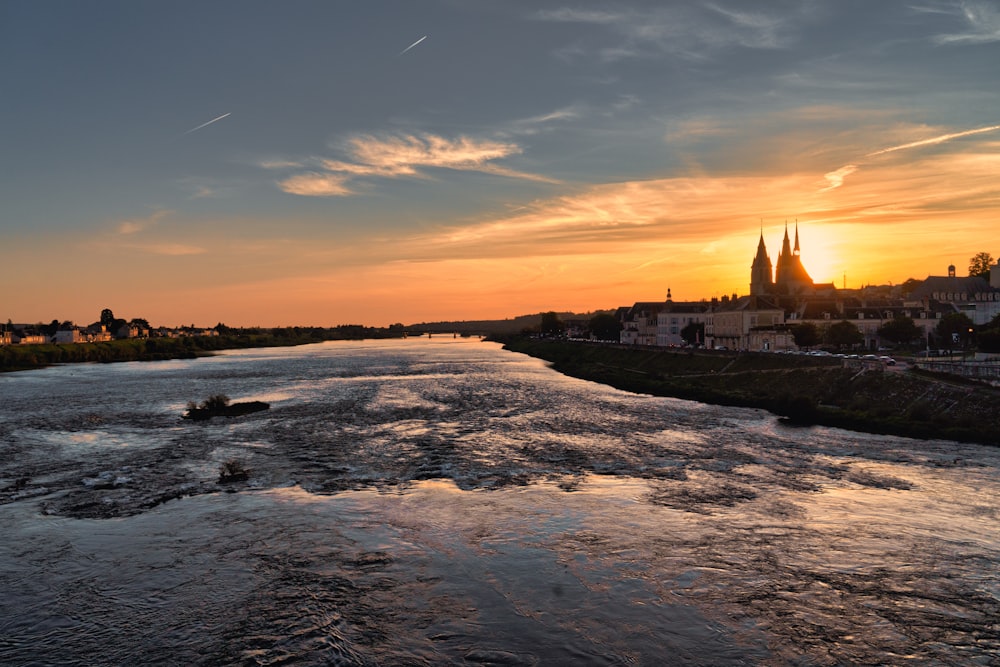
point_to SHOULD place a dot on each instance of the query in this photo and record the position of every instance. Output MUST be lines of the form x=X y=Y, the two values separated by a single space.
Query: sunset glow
x=616 y=151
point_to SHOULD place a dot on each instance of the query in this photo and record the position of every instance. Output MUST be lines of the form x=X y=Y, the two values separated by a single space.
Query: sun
x=823 y=252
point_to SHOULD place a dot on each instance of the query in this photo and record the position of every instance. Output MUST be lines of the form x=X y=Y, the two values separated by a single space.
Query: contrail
x=412 y=45
x=935 y=140
x=208 y=123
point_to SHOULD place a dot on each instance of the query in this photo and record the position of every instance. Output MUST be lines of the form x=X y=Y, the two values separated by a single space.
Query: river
x=442 y=501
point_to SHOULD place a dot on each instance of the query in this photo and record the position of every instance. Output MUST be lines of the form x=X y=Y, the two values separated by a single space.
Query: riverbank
x=29 y=357
x=803 y=390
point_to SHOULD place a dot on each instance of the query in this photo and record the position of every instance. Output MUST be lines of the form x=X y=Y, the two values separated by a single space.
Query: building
x=73 y=335
x=975 y=297
x=729 y=323
x=640 y=323
x=766 y=319
x=790 y=277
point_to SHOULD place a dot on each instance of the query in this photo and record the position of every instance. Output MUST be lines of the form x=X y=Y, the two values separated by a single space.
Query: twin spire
x=790 y=275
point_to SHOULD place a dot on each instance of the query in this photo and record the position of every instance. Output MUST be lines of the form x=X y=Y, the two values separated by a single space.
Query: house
x=97 y=333
x=977 y=298
x=730 y=320
x=29 y=337
x=73 y=335
x=674 y=317
x=640 y=322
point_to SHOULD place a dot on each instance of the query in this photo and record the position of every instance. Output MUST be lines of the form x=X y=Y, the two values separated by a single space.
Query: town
x=786 y=311
x=107 y=328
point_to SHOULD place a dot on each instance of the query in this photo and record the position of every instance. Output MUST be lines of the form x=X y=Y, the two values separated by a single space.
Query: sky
x=373 y=161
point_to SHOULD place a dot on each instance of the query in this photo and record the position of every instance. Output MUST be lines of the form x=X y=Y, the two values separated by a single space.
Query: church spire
x=796 y=236
x=760 y=271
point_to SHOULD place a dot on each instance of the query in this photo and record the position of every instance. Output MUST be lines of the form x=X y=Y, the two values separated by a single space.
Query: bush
x=233 y=471
x=216 y=402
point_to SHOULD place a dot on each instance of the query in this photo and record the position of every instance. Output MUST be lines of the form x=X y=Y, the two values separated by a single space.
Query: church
x=790 y=278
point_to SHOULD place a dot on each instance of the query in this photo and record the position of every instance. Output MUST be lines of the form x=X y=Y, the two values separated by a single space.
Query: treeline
x=26 y=357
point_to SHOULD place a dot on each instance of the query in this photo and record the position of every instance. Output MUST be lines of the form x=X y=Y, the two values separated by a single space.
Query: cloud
x=983 y=21
x=278 y=164
x=836 y=178
x=569 y=15
x=171 y=249
x=564 y=114
x=312 y=184
x=935 y=140
x=690 y=31
x=407 y=155
x=136 y=225
x=404 y=154
x=202 y=192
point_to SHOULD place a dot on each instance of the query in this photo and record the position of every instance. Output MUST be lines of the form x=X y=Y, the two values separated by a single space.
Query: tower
x=760 y=271
x=790 y=276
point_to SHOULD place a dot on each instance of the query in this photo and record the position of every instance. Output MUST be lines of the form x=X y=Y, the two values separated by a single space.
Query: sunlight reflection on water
x=443 y=501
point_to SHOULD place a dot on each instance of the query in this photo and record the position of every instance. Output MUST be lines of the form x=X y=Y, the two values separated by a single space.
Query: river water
x=442 y=501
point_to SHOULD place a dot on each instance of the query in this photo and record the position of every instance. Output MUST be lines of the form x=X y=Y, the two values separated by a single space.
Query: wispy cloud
x=983 y=24
x=312 y=184
x=836 y=178
x=408 y=155
x=169 y=249
x=940 y=139
x=136 y=225
x=571 y=15
x=405 y=154
x=544 y=122
x=279 y=164
x=691 y=31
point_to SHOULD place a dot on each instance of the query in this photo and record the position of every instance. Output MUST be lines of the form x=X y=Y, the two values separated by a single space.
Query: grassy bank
x=805 y=390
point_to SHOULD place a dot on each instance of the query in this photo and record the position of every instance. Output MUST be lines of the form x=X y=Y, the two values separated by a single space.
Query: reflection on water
x=442 y=501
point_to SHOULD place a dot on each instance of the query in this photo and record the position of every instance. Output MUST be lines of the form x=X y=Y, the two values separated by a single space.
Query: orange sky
x=612 y=155
x=900 y=214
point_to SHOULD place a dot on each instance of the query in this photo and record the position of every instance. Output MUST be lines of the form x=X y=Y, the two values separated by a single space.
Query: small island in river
x=219 y=406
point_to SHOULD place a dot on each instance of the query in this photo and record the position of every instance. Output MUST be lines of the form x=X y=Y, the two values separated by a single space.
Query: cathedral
x=790 y=277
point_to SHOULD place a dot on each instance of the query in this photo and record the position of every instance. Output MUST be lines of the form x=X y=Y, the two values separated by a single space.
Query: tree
x=979 y=265
x=806 y=334
x=844 y=334
x=954 y=330
x=693 y=333
x=900 y=331
x=605 y=327
x=107 y=317
x=551 y=324
x=988 y=337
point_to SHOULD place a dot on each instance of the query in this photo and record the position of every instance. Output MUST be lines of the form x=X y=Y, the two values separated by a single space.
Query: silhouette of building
x=761 y=271
x=790 y=276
